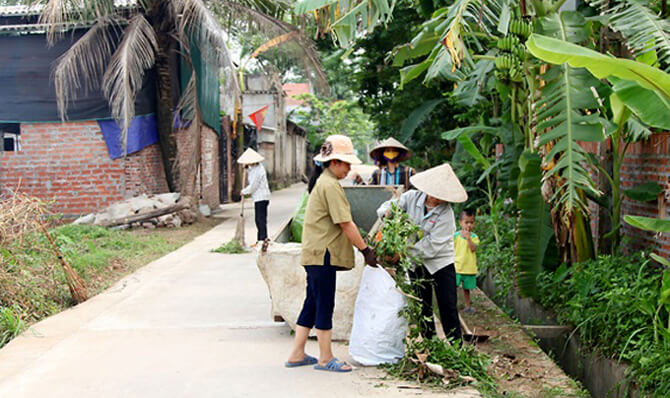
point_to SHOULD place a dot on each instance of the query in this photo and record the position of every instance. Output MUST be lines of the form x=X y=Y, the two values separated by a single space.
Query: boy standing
x=465 y=247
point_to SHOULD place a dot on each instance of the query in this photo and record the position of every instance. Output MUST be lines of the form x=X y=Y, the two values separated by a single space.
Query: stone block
x=286 y=280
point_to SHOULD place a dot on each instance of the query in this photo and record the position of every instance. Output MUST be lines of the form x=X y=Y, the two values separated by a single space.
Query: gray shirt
x=436 y=247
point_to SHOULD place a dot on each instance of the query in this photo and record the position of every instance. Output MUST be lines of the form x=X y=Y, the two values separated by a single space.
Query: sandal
x=308 y=360
x=334 y=366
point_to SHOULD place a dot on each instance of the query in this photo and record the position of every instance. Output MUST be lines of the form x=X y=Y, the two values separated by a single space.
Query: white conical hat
x=391 y=142
x=440 y=182
x=249 y=157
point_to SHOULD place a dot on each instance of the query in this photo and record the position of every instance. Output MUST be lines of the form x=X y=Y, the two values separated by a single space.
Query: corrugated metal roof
x=38 y=28
x=36 y=9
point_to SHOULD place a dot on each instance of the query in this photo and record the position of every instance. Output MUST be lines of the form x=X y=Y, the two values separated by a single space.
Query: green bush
x=10 y=324
x=499 y=261
x=612 y=302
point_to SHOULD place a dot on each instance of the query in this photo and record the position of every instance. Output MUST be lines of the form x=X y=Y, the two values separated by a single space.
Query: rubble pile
x=156 y=211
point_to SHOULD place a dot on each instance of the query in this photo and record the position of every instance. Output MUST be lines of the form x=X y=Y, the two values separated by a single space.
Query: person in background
x=429 y=207
x=388 y=155
x=258 y=188
x=328 y=235
x=465 y=247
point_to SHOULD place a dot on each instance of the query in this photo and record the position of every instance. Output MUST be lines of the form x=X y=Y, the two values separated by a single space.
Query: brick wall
x=647 y=161
x=69 y=164
x=206 y=192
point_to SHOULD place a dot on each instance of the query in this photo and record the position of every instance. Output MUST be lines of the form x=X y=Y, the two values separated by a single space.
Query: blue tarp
x=142 y=133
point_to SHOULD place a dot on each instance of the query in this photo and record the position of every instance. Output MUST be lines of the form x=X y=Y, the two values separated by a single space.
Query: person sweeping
x=328 y=235
x=258 y=188
x=429 y=207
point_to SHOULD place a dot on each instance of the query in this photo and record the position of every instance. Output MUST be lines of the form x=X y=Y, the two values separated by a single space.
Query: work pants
x=444 y=282
x=261 y=218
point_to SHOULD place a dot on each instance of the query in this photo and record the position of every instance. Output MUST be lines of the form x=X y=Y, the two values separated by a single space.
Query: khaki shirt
x=326 y=208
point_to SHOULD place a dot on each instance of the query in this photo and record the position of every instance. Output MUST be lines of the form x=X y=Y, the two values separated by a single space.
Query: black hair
x=316 y=174
x=468 y=213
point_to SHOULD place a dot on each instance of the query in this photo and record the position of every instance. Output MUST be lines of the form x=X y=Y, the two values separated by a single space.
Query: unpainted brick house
x=78 y=164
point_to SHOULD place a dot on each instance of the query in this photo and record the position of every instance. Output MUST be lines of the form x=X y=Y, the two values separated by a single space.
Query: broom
x=74 y=282
x=239 y=229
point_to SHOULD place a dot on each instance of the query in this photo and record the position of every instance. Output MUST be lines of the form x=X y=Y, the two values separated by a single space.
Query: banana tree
x=640 y=97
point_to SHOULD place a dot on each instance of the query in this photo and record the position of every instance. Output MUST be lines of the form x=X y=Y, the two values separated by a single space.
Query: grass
x=32 y=282
x=232 y=247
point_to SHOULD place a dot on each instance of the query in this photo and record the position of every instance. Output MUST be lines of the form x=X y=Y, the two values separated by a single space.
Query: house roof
x=23 y=18
x=295 y=89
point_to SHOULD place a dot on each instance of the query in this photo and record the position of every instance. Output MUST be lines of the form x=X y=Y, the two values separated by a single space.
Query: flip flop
x=308 y=360
x=333 y=366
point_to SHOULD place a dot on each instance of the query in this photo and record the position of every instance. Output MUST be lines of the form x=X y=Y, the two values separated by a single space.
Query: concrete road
x=190 y=324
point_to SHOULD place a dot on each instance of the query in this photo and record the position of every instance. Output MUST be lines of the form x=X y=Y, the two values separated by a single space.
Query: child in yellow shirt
x=465 y=247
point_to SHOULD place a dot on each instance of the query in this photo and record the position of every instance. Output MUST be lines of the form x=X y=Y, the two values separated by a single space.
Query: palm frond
x=83 y=64
x=200 y=23
x=641 y=27
x=298 y=43
x=124 y=75
x=188 y=107
x=57 y=15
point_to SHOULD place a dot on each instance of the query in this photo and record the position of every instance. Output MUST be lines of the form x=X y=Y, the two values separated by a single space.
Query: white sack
x=378 y=333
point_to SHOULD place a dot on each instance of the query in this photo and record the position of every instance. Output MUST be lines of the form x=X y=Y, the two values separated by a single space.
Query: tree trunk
x=240 y=149
x=165 y=88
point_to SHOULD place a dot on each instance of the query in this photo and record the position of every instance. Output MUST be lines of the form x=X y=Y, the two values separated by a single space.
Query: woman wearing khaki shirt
x=328 y=235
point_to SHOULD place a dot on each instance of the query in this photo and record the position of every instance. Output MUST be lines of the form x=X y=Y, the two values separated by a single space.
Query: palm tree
x=121 y=44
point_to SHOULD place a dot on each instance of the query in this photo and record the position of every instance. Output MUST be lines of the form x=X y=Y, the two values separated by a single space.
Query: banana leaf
x=648 y=223
x=601 y=66
x=646 y=192
x=534 y=231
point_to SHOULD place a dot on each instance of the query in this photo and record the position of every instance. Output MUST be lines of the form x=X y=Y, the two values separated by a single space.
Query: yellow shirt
x=466 y=259
x=326 y=208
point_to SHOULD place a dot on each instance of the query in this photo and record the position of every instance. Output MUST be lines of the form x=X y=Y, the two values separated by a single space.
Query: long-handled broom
x=239 y=229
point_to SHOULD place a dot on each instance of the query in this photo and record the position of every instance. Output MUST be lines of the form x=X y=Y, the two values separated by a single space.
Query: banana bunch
x=508 y=42
x=520 y=28
x=509 y=63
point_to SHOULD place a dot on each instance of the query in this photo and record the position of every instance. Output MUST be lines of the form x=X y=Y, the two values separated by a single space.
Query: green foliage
x=534 y=231
x=11 y=324
x=645 y=192
x=324 y=118
x=613 y=302
x=32 y=282
x=397 y=236
x=232 y=247
x=648 y=223
x=500 y=261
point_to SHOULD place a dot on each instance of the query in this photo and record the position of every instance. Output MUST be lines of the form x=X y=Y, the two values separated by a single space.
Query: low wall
x=603 y=377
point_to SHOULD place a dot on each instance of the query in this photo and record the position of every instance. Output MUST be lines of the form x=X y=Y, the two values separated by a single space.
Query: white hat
x=338 y=147
x=249 y=157
x=440 y=182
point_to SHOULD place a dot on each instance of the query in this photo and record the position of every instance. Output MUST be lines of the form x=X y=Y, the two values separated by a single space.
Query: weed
x=232 y=247
x=11 y=324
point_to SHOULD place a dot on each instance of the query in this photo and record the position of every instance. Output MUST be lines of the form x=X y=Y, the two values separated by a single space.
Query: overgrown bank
x=33 y=286
x=612 y=302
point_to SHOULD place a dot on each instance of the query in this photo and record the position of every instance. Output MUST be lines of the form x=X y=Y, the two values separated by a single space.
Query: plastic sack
x=299 y=219
x=378 y=332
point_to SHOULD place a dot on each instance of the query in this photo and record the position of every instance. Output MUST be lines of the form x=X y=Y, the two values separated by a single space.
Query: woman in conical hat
x=429 y=207
x=258 y=188
x=327 y=238
x=388 y=154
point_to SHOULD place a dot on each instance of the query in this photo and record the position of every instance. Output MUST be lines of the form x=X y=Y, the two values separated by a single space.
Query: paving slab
x=190 y=324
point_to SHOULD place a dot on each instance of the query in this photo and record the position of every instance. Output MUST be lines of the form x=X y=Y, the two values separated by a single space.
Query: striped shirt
x=258 y=186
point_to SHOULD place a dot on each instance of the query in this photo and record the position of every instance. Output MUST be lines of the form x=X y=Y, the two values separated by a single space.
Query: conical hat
x=440 y=182
x=249 y=157
x=391 y=142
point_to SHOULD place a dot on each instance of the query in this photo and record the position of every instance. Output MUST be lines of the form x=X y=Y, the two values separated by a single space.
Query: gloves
x=370 y=256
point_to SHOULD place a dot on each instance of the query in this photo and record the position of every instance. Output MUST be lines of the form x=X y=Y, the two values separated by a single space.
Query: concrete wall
x=69 y=164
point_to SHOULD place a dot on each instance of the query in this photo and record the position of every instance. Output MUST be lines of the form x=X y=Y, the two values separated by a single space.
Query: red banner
x=258 y=117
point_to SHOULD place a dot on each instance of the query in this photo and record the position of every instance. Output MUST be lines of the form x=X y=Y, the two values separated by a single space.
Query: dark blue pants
x=317 y=310
x=261 y=218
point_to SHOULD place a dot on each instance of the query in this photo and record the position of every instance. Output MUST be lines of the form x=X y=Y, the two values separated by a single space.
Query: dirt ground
x=519 y=365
